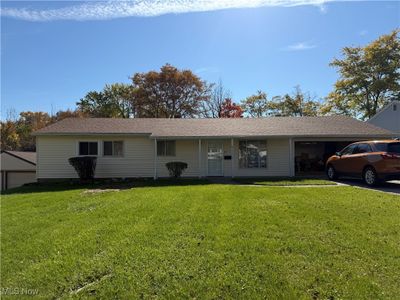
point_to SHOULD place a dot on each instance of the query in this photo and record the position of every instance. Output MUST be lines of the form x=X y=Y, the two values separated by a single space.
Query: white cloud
x=323 y=8
x=142 y=8
x=363 y=32
x=300 y=46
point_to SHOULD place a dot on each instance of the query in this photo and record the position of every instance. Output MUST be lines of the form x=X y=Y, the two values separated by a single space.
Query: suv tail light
x=390 y=156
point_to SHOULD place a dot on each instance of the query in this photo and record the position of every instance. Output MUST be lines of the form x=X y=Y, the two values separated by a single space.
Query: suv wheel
x=331 y=173
x=370 y=177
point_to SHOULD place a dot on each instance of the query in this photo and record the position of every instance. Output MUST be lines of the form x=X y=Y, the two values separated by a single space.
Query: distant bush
x=84 y=166
x=176 y=168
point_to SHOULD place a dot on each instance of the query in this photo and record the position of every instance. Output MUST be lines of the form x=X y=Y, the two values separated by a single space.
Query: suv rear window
x=388 y=147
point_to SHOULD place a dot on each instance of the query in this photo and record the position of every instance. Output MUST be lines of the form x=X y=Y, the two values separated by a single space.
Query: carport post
x=155 y=159
x=200 y=175
x=232 y=158
x=291 y=158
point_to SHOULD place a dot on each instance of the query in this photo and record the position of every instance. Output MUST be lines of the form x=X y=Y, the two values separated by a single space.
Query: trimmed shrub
x=176 y=168
x=84 y=166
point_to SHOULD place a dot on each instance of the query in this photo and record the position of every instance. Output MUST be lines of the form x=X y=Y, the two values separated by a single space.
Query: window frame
x=112 y=148
x=259 y=160
x=355 y=151
x=164 y=153
x=86 y=141
x=347 y=147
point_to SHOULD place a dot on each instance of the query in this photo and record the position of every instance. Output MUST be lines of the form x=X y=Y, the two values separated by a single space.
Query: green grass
x=278 y=181
x=202 y=241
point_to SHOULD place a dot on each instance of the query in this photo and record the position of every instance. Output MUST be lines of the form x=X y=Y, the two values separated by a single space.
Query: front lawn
x=202 y=241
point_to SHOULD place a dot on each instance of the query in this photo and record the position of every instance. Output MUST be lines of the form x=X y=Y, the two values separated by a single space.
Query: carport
x=311 y=155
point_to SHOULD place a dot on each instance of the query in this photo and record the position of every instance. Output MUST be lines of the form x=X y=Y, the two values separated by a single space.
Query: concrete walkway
x=392 y=187
x=224 y=180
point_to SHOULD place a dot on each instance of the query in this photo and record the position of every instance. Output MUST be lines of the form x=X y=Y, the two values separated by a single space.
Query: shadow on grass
x=103 y=185
x=106 y=184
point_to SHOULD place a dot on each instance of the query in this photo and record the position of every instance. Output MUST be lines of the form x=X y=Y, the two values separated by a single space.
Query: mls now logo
x=18 y=291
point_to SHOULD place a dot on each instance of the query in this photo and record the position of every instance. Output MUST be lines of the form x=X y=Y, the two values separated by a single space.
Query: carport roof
x=327 y=126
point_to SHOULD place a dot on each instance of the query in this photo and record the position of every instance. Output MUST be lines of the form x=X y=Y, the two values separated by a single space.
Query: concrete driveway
x=392 y=187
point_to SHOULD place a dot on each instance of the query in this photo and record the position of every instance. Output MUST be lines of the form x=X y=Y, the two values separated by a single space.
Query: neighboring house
x=17 y=168
x=275 y=146
x=388 y=117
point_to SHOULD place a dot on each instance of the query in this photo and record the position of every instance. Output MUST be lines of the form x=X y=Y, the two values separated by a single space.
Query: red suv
x=371 y=160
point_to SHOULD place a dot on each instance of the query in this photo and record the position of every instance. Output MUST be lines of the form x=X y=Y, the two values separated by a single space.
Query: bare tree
x=212 y=107
x=298 y=104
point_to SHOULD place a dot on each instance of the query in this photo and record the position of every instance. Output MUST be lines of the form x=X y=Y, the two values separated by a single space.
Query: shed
x=17 y=168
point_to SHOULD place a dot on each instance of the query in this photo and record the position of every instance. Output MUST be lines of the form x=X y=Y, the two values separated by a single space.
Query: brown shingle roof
x=330 y=126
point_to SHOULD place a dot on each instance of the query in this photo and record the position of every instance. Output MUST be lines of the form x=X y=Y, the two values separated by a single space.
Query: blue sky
x=53 y=53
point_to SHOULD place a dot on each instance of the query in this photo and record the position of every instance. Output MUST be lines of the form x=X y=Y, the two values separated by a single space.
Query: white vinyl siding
x=185 y=151
x=388 y=118
x=53 y=153
x=278 y=160
x=16 y=179
x=138 y=158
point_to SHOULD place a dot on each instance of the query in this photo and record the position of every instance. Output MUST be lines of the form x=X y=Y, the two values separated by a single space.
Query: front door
x=215 y=159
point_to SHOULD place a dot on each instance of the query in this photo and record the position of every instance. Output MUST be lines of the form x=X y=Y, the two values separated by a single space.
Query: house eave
x=354 y=136
x=151 y=136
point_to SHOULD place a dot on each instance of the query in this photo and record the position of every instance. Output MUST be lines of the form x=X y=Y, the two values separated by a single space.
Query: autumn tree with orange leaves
x=229 y=109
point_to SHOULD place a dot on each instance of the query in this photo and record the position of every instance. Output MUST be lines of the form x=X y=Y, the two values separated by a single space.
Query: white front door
x=215 y=159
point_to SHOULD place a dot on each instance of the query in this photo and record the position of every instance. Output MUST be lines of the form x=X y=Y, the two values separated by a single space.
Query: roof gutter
x=275 y=136
x=87 y=133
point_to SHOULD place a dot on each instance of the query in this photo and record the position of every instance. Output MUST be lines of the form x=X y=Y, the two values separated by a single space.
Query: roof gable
x=386 y=108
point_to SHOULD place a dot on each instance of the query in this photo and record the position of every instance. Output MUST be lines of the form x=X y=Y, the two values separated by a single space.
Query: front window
x=113 y=148
x=166 y=148
x=252 y=154
x=88 y=148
